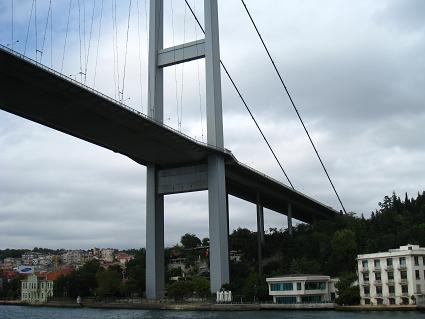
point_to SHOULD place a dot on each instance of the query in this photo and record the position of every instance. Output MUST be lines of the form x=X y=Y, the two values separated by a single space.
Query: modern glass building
x=294 y=289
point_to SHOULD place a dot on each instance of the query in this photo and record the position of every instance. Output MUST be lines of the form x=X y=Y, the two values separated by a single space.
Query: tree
x=190 y=241
x=108 y=283
x=201 y=287
x=348 y=294
x=180 y=290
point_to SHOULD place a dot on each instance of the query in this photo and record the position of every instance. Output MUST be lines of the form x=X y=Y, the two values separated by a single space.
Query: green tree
x=180 y=290
x=201 y=286
x=348 y=294
x=190 y=241
x=108 y=283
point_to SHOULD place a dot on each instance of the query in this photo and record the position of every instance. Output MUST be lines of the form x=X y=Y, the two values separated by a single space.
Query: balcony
x=364 y=269
x=377 y=282
x=365 y=283
x=391 y=294
x=366 y=295
x=403 y=281
x=378 y=295
x=389 y=268
x=377 y=269
x=390 y=282
x=402 y=267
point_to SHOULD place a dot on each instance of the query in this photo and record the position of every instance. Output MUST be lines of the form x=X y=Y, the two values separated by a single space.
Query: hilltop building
x=36 y=289
x=392 y=278
x=294 y=289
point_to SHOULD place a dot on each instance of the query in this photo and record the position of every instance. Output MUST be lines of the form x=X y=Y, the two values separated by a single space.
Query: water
x=19 y=312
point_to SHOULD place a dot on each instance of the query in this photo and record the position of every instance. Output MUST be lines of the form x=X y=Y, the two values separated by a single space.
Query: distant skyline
x=356 y=71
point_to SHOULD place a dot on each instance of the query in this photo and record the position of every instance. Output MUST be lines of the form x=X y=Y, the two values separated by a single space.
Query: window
x=378 y=276
x=377 y=263
x=418 y=289
x=379 y=301
x=416 y=258
x=391 y=289
x=286 y=300
x=298 y=286
x=392 y=301
x=379 y=290
x=403 y=274
x=402 y=261
x=364 y=264
x=390 y=275
x=367 y=301
x=311 y=299
x=315 y=285
x=417 y=274
x=389 y=262
x=365 y=277
x=404 y=289
x=366 y=290
x=284 y=286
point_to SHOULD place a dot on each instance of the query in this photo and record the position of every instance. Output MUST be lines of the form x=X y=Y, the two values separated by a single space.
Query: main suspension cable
x=244 y=102
x=293 y=104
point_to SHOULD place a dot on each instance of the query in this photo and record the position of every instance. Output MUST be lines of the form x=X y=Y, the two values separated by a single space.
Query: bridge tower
x=209 y=175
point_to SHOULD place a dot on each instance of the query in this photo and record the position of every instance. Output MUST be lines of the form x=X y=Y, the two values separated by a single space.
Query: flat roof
x=298 y=277
x=40 y=94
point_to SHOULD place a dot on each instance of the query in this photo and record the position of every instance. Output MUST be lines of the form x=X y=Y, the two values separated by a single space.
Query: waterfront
x=21 y=312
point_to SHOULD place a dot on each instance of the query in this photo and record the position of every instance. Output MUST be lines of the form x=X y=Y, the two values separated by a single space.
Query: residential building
x=123 y=258
x=36 y=289
x=392 y=278
x=72 y=257
x=294 y=289
x=107 y=255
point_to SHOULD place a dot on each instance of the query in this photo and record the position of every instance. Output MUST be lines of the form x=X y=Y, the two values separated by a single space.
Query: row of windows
x=389 y=261
x=287 y=286
x=391 y=289
x=304 y=299
x=390 y=275
x=33 y=285
x=390 y=301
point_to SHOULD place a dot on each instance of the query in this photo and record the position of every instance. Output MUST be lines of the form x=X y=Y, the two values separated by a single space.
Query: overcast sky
x=356 y=70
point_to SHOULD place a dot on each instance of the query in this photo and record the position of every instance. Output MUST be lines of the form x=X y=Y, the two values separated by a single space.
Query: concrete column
x=212 y=75
x=154 y=237
x=260 y=235
x=289 y=218
x=155 y=74
x=217 y=195
x=218 y=223
x=154 y=202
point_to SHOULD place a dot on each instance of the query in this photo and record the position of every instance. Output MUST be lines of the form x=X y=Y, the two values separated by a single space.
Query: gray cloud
x=356 y=71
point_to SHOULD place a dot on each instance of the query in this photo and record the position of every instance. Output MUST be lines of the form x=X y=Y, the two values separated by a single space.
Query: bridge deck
x=42 y=95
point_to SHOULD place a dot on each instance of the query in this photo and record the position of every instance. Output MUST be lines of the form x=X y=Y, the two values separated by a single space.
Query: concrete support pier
x=289 y=218
x=260 y=235
x=154 y=237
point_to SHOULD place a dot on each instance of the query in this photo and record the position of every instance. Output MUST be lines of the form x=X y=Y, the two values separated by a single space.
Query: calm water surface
x=19 y=312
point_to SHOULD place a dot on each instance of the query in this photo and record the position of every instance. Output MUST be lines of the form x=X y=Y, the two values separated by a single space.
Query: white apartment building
x=36 y=289
x=107 y=255
x=392 y=278
x=294 y=289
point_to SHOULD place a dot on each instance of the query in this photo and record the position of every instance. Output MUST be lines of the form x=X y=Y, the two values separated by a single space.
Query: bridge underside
x=42 y=95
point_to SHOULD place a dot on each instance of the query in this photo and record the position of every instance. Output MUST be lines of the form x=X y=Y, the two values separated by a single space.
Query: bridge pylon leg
x=154 y=237
x=218 y=223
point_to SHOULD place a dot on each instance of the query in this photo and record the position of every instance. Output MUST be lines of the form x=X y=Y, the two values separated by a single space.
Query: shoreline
x=219 y=307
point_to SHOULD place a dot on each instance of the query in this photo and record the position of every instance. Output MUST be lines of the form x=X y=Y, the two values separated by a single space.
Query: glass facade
x=311 y=299
x=315 y=285
x=282 y=286
x=286 y=300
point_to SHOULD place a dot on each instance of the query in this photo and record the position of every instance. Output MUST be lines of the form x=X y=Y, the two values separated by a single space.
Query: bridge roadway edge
x=42 y=95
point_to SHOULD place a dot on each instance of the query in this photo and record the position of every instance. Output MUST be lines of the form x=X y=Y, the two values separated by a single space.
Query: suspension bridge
x=175 y=162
